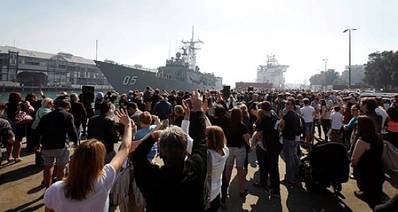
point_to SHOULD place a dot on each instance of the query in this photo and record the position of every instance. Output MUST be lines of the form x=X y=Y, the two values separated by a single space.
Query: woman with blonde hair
x=218 y=153
x=179 y=113
x=89 y=182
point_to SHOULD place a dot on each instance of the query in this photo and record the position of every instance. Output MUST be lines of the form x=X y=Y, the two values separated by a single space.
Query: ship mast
x=271 y=60
x=190 y=50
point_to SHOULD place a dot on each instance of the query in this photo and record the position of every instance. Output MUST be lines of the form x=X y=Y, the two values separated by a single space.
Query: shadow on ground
x=25 y=206
x=299 y=199
x=20 y=173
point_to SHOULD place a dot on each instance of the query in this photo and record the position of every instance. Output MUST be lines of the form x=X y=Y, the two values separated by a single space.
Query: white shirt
x=185 y=128
x=308 y=113
x=217 y=169
x=55 y=199
x=381 y=112
x=337 y=120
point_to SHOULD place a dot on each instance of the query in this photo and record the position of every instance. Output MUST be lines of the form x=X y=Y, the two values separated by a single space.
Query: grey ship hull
x=124 y=79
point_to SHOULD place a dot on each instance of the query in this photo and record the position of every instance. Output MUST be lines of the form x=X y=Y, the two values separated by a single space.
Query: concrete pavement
x=20 y=191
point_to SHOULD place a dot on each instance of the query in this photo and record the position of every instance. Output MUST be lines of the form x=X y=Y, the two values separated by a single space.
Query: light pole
x=349 y=54
x=325 y=60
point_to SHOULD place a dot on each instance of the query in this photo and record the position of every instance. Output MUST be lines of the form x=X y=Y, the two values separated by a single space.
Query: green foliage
x=325 y=78
x=382 y=70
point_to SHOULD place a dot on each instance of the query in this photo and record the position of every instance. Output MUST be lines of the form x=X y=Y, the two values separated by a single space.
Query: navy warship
x=179 y=73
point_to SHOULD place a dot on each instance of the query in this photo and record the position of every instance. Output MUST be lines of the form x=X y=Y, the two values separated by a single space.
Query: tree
x=325 y=78
x=382 y=70
x=331 y=76
x=316 y=79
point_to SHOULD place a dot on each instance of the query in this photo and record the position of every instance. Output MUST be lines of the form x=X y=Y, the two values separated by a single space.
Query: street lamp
x=325 y=60
x=349 y=54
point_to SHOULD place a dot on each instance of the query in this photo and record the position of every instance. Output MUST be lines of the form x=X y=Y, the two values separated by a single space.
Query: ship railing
x=140 y=68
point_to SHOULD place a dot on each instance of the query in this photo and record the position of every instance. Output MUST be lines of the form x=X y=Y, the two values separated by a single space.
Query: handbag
x=389 y=156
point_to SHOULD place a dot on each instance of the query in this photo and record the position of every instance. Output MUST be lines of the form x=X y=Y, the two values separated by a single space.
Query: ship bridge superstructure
x=183 y=66
x=272 y=73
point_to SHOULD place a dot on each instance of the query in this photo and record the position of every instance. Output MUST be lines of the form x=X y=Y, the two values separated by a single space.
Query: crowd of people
x=200 y=138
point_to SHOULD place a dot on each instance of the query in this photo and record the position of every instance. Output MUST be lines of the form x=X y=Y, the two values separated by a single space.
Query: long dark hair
x=236 y=117
x=367 y=129
x=14 y=98
x=236 y=120
x=215 y=138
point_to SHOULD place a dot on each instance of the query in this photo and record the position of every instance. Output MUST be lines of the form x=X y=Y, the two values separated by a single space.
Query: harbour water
x=52 y=94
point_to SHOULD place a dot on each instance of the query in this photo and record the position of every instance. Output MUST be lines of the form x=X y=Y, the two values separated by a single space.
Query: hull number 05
x=129 y=80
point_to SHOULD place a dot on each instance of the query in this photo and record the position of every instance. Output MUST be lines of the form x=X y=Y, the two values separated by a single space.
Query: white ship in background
x=272 y=73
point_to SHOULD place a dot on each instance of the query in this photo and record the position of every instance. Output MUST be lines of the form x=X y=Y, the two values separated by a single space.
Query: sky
x=237 y=35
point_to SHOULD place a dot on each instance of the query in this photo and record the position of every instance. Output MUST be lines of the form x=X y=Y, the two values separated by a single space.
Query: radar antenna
x=190 y=48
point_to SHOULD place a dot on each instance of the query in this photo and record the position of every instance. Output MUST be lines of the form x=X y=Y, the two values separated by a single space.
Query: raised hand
x=124 y=118
x=205 y=105
x=187 y=110
x=196 y=101
x=156 y=120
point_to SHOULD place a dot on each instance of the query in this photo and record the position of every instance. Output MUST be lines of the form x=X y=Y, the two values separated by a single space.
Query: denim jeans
x=268 y=162
x=291 y=159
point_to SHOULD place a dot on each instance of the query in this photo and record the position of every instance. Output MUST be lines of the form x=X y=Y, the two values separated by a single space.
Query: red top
x=392 y=126
x=347 y=116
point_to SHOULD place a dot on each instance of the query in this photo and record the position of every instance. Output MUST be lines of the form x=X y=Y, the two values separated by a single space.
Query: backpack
x=23 y=118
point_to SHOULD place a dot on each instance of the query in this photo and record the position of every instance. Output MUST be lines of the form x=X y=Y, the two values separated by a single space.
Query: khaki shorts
x=61 y=157
x=238 y=154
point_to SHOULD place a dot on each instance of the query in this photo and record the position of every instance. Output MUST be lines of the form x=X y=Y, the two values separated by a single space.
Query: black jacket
x=79 y=113
x=53 y=128
x=103 y=129
x=174 y=189
x=270 y=134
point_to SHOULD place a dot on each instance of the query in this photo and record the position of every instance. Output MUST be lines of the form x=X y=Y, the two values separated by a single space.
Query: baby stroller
x=325 y=165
